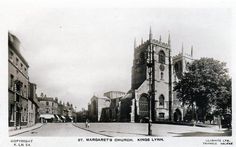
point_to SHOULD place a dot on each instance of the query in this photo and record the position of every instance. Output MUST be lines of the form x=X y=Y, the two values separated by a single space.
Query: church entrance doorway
x=177 y=115
x=143 y=108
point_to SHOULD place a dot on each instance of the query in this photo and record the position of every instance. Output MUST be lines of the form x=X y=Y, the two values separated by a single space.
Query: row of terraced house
x=25 y=107
x=53 y=110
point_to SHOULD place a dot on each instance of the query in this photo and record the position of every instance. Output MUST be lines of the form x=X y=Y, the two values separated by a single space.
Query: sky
x=76 y=53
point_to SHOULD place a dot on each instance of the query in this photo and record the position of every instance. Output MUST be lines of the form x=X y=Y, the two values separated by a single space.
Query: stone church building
x=168 y=70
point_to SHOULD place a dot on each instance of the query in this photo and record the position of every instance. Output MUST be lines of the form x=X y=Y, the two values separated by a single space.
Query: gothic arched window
x=162 y=57
x=176 y=67
x=161 y=100
x=143 y=106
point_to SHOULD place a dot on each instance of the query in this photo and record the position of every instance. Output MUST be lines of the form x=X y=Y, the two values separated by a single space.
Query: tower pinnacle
x=191 y=51
x=182 y=48
x=169 y=39
x=150 y=33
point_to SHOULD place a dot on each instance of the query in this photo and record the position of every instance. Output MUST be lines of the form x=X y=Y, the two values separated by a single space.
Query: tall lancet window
x=161 y=100
x=162 y=57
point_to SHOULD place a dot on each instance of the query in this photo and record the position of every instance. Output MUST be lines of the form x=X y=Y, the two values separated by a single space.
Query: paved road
x=122 y=130
x=162 y=130
x=59 y=130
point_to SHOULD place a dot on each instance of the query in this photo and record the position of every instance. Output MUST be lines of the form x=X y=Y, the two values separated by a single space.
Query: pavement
x=13 y=132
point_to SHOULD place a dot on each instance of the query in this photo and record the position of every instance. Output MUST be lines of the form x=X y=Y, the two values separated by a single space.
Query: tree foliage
x=206 y=83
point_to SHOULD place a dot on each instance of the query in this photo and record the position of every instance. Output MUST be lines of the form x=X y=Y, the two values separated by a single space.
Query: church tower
x=180 y=65
x=154 y=74
x=161 y=81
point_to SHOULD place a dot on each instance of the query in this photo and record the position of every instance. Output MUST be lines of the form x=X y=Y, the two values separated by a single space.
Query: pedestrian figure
x=87 y=123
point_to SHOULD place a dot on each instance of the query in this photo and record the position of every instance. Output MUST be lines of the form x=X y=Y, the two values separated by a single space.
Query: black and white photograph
x=127 y=74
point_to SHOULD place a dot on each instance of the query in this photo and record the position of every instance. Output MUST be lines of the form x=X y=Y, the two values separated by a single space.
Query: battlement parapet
x=142 y=45
x=155 y=42
x=160 y=43
x=177 y=56
x=181 y=55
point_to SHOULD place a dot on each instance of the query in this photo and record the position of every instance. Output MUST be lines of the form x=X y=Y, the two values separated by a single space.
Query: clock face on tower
x=162 y=67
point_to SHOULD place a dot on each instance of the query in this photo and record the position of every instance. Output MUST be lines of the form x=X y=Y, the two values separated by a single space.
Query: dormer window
x=21 y=66
x=11 y=55
x=17 y=61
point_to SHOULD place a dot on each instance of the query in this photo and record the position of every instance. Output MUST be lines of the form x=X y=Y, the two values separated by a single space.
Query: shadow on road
x=118 y=132
x=202 y=134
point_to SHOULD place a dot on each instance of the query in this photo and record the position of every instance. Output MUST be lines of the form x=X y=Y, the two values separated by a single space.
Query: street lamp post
x=150 y=101
x=151 y=74
x=150 y=117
